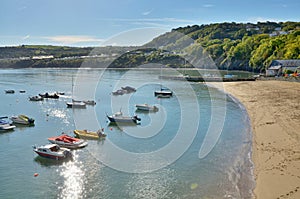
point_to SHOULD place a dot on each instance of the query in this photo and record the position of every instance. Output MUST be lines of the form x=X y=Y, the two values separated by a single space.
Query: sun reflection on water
x=72 y=173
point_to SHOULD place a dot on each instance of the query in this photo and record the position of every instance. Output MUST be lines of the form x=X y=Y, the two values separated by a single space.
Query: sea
x=197 y=145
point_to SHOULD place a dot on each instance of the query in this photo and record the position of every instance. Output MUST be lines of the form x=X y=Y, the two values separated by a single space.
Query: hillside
x=235 y=46
x=230 y=46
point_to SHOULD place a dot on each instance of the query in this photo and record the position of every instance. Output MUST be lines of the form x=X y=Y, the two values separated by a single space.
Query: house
x=278 y=67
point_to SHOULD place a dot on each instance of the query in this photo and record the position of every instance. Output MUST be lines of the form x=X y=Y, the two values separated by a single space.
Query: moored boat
x=128 y=89
x=76 y=104
x=36 y=98
x=5 y=125
x=22 y=119
x=146 y=107
x=47 y=95
x=52 y=151
x=85 y=134
x=9 y=91
x=89 y=102
x=119 y=118
x=163 y=92
x=67 y=141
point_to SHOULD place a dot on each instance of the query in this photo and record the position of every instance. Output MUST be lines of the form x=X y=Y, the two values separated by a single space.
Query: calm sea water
x=99 y=170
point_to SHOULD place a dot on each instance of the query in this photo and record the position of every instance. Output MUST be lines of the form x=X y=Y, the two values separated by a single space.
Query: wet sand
x=274 y=111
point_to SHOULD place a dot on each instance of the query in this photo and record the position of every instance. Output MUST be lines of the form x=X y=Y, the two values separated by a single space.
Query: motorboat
x=53 y=151
x=89 y=102
x=22 y=119
x=36 y=98
x=47 y=95
x=163 y=92
x=119 y=118
x=76 y=104
x=85 y=134
x=9 y=91
x=22 y=91
x=119 y=92
x=67 y=141
x=5 y=125
x=146 y=107
x=128 y=89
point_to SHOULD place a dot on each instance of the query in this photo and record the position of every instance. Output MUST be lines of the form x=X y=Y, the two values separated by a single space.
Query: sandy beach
x=274 y=110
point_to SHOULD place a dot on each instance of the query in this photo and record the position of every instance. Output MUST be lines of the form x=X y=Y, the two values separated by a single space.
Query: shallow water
x=130 y=162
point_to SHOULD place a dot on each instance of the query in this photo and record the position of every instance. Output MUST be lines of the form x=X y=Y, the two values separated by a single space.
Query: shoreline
x=274 y=111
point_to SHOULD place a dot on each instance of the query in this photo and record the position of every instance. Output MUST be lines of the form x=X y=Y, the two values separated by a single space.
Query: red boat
x=67 y=141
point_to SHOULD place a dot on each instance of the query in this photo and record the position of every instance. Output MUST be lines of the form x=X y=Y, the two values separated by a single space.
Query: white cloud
x=26 y=37
x=262 y=19
x=208 y=5
x=147 y=12
x=73 y=39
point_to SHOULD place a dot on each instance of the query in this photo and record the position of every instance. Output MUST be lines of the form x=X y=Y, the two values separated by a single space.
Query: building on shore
x=279 y=67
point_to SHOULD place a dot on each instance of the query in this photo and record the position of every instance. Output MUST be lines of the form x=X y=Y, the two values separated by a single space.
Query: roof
x=286 y=63
x=275 y=67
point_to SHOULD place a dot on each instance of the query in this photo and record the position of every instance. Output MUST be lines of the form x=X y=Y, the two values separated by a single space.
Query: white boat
x=36 y=98
x=5 y=125
x=22 y=119
x=67 y=141
x=119 y=118
x=146 y=107
x=76 y=104
x=163 y=92
x=52 y=151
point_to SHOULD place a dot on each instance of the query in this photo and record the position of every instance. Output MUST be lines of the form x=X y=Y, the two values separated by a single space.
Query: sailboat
x=163 y=91
x=75 y=103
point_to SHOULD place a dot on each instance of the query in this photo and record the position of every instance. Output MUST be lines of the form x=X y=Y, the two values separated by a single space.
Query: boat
x=5 y=125
x=128 y=89
x=89 y=102
x=9 y=91
x=163 y=92
x=67 y=141
x=22 y=91
x=53 y=151
x=119 y=92
x=85 y=134
x=36 y=98
x=47 y=95
x=146 y=107
x=76 y=104
x=22 y=119
x=119 y=118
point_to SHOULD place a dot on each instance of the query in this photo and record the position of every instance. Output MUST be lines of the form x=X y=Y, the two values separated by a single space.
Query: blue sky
x=125 y=22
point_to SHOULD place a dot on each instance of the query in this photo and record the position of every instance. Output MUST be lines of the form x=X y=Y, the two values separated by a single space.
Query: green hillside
x=237 y=46
x=230 y=46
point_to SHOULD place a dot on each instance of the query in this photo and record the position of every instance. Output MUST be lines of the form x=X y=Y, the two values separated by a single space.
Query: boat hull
x=145 y=107
x=163 y=93
x=76 y=105
x=68 y=142
x=88 y=134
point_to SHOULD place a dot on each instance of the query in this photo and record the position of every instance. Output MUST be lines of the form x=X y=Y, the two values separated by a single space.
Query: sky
x=125 y=22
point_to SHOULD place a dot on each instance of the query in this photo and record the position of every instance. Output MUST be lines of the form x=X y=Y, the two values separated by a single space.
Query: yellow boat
x=85 y=134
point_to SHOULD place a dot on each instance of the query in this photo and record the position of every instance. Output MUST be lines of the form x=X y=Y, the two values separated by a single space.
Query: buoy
x=111 y=128
x=35 y=174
